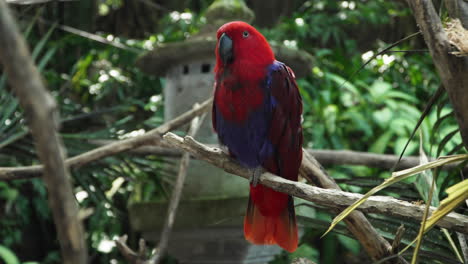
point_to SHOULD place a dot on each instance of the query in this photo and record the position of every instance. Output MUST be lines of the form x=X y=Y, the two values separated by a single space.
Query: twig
x=130 y=255
x=398 y=236
x=89 y=36
x=396 y=243
x=40 y=108
x=175 y=197
x=150 y=138
x=331 y=198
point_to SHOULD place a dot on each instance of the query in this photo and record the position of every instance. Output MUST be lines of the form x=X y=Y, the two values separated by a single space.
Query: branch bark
x=156 y=147
x=152 y=137
x=374 y=244
x=332 y=198
x=326 y=157
x=131 y=256
x=452 y=70
x=40 y=109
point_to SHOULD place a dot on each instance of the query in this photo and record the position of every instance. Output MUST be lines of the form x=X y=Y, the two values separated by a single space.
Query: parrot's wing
x=285 y=131
x=270 y=217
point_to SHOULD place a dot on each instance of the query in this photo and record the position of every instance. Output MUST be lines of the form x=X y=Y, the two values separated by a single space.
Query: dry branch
x=139 y=258
x=130 y=255
x=175 y=197
x=152 y=137
x=374 y=244
x=324 y=156
x=42 y=115
x=331 y=198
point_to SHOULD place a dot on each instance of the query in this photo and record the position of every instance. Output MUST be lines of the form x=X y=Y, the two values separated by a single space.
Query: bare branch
x=326 y=157
x=374 y=244
x=175 y=197
x=331 y=198
x=398 y=236
x=40 y=108
x=152 y=137
x=130 y=255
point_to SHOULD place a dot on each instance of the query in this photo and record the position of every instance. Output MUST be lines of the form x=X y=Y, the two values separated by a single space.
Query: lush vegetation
x=103 y=96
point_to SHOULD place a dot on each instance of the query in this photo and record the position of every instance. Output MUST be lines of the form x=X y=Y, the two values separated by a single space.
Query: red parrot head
x=241 y=45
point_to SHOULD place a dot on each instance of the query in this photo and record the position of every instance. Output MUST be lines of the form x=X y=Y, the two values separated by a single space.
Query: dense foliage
x=103 y=96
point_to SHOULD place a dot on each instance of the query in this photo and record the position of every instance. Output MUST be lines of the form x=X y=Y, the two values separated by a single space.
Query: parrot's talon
x=255 y=177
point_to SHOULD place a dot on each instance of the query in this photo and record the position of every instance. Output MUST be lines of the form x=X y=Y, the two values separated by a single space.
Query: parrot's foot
x=255 y=177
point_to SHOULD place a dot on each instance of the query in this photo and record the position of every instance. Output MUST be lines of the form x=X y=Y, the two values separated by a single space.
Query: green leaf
x=342 y=81
x=8 y=256
x=378 y=89
x=381 y=143
x=383 y=116
x=400 y=95
x=46 y=58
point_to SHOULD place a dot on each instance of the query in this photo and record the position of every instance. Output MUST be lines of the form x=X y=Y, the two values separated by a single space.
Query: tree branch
x=452 y=70
x=41 y=112
x=324 y=156
x=332 y=198
x=374 y=244
x=175 y=197
x=152 y=137
x=131 y=256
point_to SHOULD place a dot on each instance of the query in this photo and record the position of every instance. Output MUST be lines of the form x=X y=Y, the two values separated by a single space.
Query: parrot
x=257 y=116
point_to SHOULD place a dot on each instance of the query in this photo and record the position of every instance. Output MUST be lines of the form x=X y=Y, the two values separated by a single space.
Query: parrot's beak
x=225 y=49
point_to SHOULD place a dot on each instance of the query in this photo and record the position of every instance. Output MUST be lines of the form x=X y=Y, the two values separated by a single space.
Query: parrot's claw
x=255 y=177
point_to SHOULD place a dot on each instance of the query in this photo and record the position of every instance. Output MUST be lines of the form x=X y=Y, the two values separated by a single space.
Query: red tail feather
x=271 y=227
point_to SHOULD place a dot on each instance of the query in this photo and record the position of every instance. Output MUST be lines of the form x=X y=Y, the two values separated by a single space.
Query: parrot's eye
x=245 y=34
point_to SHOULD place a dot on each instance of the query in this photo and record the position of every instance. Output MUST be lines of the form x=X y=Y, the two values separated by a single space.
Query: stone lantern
x=208 y=226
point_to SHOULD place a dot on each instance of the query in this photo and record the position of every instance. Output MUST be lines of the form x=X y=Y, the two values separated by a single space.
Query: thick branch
x=41 y=111
x=152 y=137
x=452 y=70
x=331 y=198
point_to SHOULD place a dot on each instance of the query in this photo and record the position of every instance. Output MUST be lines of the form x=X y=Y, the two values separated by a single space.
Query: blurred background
x=107 y=63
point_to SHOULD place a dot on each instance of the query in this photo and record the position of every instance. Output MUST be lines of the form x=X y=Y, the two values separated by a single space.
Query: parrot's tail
x=271 y=221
